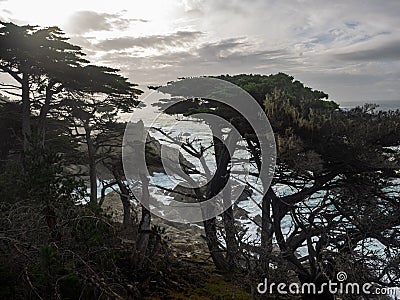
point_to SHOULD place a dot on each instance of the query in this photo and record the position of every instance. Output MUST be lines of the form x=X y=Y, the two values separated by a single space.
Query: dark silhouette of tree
x=38 y=60
x=93 y=108
x=56 y=81
x=334 y=164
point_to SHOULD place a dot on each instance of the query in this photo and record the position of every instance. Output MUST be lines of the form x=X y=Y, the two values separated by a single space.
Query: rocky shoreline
x=187 y=239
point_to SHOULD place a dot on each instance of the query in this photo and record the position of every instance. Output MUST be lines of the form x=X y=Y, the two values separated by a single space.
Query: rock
x=185 y=194
x=240 y=213
x=113 y=206
x=258 y=220
x=246 y=193
x=153 y=156
x=185 y=239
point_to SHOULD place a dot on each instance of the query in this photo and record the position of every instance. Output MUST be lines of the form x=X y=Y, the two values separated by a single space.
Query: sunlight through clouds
x=336 y=47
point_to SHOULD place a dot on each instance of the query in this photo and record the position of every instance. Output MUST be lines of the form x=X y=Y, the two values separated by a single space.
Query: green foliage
x=40 y=179
x=261 y=85
x=198 y=111
x=53 y=274
x=91 y=231
x=44 y=180
x=36 y=51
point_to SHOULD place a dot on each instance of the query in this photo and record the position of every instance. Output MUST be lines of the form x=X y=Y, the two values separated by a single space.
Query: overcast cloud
x=177 y=39
x=349 y=49
x=87 y=21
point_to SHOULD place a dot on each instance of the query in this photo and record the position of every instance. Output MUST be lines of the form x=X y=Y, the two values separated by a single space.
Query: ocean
x=384 y=105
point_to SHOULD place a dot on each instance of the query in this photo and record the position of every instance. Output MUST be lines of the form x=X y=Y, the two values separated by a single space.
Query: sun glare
x=43 y=13
x=158 y=14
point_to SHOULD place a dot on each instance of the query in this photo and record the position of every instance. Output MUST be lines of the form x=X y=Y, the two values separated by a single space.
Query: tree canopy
x=339 y=169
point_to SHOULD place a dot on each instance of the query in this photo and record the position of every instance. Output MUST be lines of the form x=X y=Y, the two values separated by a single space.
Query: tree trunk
x=26 y=112
x=127 y=210
x=126 y=204
x=45 y=110
x=51 y=221
x=92 y=165
x=103 y=191
x=266 y=220
x=216 y=252
x=266 y=234
x=41 y=131
x=144 y=226
x=219 y=180
x=229 y=225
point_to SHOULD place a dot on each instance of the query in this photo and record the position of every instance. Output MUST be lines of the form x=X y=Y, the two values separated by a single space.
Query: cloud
x=350 y=49
x=221 y=48
x=235 y=55
x=177 y=39
x=388 y=51
x=87 y=21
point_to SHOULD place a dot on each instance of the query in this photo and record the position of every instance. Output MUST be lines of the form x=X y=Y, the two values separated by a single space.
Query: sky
x=348 y=49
